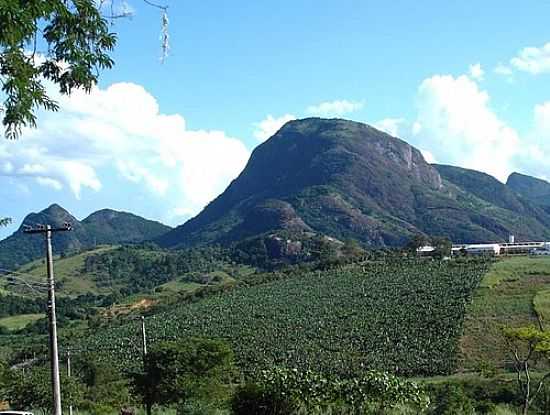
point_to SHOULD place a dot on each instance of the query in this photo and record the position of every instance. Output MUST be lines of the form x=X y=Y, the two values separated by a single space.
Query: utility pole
x=47 y=231
x=69 y=375
x=143 y=339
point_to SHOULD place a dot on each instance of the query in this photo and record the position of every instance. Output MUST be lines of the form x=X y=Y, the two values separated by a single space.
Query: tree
x=65 y=42
x=33 y=389
x=417 y=241
x=443 y=246
x=352 y=249
x=526 y=345
x=76 y=39
x=105 y=385
x=178 y=371
x=3 y=377
x=5 y=221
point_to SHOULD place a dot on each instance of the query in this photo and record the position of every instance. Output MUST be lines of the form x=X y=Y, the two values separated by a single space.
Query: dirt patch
x=146 y=303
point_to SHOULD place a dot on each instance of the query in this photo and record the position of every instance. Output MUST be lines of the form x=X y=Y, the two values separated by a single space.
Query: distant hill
x=348 y=180
x=102 y=227
x=535 y=190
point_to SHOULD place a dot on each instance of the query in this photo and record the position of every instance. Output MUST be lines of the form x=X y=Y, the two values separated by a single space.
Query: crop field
x=403 y=317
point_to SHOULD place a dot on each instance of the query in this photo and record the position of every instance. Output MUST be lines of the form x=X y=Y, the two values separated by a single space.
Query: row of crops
x=403 y=317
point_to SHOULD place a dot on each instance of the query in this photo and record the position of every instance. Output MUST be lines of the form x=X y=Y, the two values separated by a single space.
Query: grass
x=541 y=303
x=514 y=293
x=514 y=268
x=18 y=322
x=68 y=272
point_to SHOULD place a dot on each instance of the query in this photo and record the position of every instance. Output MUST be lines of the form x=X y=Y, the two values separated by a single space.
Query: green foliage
x=199 y=407
x=289 y=391
x=102 y=227
x=3 y=377
x=76 y=40
x=178 y=371
x=5 y=221
x=32 y=389
x=417 y=241
x=105 y=385
x=527 y=345
x=404 y=317
x=138 y=270
x=529 y=337
x=452 y=400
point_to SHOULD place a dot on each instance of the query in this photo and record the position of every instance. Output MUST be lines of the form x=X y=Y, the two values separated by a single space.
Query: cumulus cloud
x=459 y=127
x=270 y=125
x=534 y=60
x=476 y=72
x=335 y=108
x=390 y=125
x=121 y=129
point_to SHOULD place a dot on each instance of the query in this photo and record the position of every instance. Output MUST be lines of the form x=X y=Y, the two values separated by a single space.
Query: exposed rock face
x=348 y=180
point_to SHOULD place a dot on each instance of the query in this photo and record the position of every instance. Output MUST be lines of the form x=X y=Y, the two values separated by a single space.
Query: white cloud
x=503 y=70
x=476 y=72
x=534 y=157
x=270 y=125
x=428 y=156
x=459 y=127
x=120 y=129
x=390 y=125
x=533 y=60
x=335 y=108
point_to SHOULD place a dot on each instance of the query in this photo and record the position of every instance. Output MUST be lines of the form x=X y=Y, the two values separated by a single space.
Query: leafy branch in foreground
x=5 y=221
x=76 y=41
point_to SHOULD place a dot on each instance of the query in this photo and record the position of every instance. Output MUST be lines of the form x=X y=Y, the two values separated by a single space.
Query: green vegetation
x=100 y=228
x=515 y=268
x=541 y=303
x=507 y=297
x=527 y=346
x=284 y=391
x=20 y=321
x=179 y=372
x=404 y=317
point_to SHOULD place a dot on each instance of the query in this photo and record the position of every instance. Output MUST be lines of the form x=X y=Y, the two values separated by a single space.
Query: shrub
x=254 y=399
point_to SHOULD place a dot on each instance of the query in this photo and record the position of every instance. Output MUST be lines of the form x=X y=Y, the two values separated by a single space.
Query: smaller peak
x=54 y=206
x=55 y=210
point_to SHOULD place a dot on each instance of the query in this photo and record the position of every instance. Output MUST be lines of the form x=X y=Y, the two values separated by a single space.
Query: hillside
x=102 y=227
x=352 y=318
x=531 y=188
x=495 y=206
x=348 y=180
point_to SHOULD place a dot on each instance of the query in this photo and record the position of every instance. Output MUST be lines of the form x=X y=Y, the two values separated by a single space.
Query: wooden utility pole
x=47 y=231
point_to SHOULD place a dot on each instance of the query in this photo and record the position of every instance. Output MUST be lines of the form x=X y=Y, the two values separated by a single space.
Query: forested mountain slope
x=102 y=227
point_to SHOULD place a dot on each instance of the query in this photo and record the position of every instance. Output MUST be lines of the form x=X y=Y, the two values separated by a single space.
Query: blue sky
x=466 y=82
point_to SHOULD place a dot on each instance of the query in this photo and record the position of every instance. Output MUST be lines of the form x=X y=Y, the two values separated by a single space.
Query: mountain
x=535 y=190
x=348 y=180
x=102 y=227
